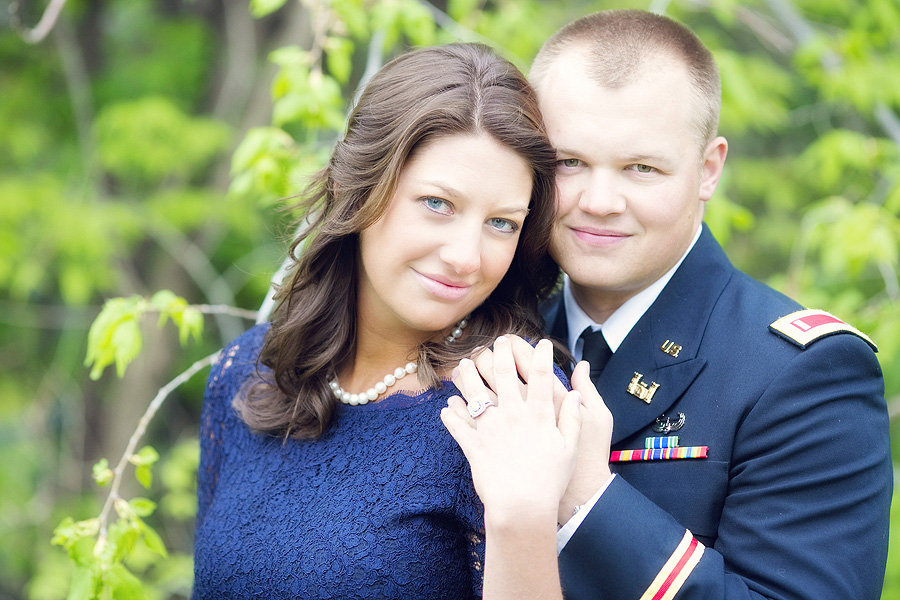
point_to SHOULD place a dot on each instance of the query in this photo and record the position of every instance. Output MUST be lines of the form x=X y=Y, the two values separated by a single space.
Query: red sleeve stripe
x=676 y=570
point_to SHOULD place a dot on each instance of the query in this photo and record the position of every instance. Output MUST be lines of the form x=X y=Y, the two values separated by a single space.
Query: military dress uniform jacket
x=793 y=496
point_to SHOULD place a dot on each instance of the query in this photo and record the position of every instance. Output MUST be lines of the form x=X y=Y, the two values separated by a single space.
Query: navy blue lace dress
x=380 y=506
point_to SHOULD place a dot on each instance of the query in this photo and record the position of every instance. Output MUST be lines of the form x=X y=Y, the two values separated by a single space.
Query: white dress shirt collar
x=617 y=326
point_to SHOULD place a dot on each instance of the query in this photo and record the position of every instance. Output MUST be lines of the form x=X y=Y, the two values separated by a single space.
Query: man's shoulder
x=779 y=320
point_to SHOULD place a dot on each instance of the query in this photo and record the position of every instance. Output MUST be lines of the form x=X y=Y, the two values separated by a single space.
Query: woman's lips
x=442 y=287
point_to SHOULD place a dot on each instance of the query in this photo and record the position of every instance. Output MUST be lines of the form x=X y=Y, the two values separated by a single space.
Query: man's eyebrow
x=563 y=150
x=637 y=158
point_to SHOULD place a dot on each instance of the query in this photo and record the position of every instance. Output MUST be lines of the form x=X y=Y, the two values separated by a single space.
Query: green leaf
x=460 y=9
x=126 y=341
x=102 y=473
x=168 y=305
x=338 y=57
x=261 y=8
x=143 y=507
x=153 y=541
x=123 y=584
x=84 y=584
x=151 y=140
x=417 y=23
x=144 y=476
x=190 y=325
x=353 y=14
x=145 y=456
x=70 y=531
x=104 y=338
x=123 y=535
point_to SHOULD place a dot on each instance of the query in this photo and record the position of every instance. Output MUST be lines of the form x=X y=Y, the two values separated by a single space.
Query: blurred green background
x=147 y=144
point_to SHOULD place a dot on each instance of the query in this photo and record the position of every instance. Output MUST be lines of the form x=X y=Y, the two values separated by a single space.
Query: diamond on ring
x=477 y=407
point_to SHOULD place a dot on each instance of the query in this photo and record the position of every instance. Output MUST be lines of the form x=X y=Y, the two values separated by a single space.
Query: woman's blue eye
x=570 y=162
x=437 y=204
x=503 y=225
x=643 y=168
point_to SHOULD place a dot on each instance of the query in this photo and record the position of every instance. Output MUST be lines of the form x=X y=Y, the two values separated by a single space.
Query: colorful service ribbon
x=659 y=453
x=670 y=441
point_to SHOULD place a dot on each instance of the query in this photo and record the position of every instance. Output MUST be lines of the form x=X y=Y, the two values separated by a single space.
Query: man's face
x=631 y=178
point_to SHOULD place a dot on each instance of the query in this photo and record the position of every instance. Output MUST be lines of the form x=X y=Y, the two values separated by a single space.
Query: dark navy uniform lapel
x=679 y=315
x=555 y=322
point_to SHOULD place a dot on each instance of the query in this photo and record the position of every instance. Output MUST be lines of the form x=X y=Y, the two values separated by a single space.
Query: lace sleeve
x=471 y=512
x=225 y=379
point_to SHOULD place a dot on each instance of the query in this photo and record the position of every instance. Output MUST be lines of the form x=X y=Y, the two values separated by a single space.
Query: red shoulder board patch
x=806 y=326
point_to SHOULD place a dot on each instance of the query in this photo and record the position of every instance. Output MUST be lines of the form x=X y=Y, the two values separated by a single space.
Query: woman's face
x=446 y=239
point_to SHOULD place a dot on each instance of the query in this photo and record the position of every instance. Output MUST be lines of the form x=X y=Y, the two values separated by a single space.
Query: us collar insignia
x=670 y=348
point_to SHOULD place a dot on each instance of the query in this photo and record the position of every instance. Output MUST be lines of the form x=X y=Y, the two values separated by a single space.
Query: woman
x=322 y=477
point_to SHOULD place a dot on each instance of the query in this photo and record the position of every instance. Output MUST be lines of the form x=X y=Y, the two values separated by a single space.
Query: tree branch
x=40 y=31
x=803 y=32
x=157 y=401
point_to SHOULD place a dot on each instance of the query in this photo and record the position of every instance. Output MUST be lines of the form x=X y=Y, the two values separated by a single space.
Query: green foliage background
x=145 y=144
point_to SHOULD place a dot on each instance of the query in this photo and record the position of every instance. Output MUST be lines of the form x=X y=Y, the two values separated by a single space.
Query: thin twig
x=224 y=309
x=40 y=31
x=198 y=267
x=161 y=395
x=463 y=34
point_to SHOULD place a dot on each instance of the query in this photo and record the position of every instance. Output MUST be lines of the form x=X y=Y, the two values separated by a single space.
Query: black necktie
x=596 y=351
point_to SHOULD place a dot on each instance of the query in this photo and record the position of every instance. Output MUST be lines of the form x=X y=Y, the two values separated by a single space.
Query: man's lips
x=595 y=236
x=443 y=287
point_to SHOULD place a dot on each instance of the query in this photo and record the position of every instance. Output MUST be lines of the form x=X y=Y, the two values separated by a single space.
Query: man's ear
x=713 y=163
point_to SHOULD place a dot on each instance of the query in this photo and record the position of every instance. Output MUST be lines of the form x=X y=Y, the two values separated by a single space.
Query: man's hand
x=592 y=462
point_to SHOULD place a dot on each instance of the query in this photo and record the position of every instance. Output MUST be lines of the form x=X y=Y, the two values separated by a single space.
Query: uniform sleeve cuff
x=565 y=533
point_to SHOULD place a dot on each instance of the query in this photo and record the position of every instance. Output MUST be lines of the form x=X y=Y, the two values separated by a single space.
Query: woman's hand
x=521 y=455
x=592 y=465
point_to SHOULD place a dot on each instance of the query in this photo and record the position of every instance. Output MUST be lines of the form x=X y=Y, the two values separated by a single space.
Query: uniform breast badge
x=665 y=424
x=659 y=448
x=641 y=390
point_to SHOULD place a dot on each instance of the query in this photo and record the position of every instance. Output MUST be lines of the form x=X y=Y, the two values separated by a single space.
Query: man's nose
x=601 y=195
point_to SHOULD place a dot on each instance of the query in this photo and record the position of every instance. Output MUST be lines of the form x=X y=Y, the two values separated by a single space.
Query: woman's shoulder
x=238 y=358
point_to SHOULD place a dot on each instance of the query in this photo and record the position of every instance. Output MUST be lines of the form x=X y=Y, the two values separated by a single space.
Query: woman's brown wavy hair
x=416 y=98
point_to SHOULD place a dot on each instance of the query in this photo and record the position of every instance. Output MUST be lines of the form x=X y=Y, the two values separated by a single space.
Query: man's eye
x=643 y=168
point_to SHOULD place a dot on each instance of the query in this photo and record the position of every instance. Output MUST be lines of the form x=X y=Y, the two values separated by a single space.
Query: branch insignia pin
x=641 y=390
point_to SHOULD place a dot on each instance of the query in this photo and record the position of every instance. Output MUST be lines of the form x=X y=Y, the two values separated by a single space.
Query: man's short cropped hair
x=619 y=42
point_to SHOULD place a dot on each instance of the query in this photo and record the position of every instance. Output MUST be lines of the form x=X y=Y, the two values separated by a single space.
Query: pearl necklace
x=390 y=379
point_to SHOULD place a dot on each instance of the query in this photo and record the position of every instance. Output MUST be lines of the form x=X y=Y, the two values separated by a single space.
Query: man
x=772 y=477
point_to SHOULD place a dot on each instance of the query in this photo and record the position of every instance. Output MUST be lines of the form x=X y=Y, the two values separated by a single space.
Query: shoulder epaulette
x=807 y=326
